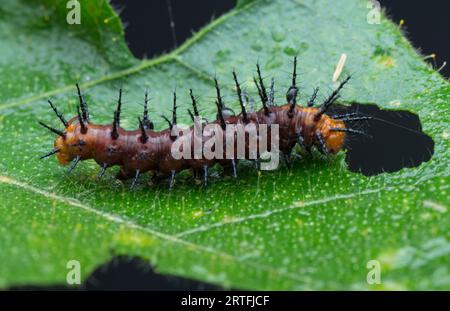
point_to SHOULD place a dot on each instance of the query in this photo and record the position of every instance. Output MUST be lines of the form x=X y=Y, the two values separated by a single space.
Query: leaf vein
x=268 y=213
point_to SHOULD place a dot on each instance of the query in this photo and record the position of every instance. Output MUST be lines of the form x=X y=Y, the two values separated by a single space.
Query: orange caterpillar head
x=333 y=133
x=321 y=130
x=70 y=145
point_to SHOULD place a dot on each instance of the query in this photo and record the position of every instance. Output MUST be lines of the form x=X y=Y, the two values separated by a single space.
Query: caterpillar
x=147 y=150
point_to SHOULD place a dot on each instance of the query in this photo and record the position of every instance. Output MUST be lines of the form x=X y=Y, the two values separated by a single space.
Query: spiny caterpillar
x=145 y=149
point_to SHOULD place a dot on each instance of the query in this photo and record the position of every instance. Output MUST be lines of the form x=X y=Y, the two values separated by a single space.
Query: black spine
x=145 y=119
x=83 y=105
x=331 y=99
x=81 y=121
x=291 y=95
x=239 y=94
x=59 y=115
x=116 y=120
x=313 y=97
x=51 y=129
x=144 y=136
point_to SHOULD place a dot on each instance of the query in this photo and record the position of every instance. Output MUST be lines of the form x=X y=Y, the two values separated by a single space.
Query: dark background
x=148 y=32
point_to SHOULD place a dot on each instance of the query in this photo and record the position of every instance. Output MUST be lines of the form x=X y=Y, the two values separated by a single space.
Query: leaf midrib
x=145 y=64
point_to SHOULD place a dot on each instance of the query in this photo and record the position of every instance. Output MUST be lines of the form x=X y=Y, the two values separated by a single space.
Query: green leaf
x=315 y=227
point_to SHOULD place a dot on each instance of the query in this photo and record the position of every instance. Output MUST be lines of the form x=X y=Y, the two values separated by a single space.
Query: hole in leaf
x=396 y=140
x=129 y=273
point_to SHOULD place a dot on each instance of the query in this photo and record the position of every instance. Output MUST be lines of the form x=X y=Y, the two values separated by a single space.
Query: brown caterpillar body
x=145 y=149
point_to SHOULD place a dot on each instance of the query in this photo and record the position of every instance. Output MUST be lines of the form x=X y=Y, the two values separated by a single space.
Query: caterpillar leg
x=74 y=164
x=287 y=159
x=233 y=164
x=103 y=170
x=323 y=148
x=136 y=176
x=172 y=179
x=205 y=175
